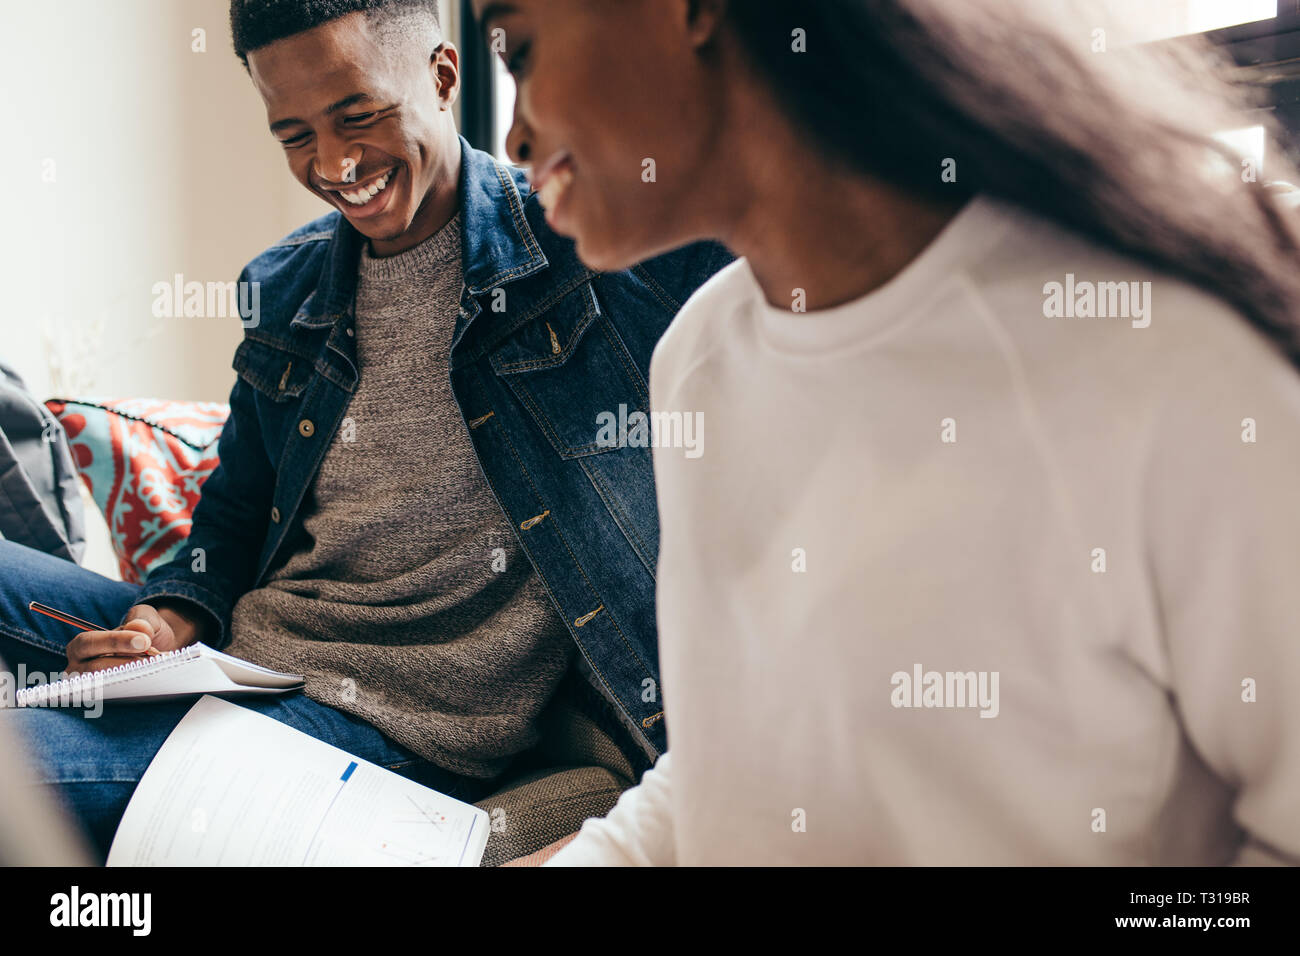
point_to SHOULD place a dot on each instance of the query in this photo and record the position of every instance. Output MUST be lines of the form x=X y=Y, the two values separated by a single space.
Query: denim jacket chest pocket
x=275 y=369
x=569 y=367
x=279 y=374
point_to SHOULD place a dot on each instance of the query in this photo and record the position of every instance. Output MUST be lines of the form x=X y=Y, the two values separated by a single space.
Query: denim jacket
x=541 y=346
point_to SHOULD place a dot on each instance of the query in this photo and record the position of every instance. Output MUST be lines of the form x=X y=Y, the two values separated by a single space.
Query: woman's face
x=615 y=115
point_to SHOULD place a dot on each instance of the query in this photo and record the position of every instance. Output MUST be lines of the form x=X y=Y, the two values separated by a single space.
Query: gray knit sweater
x=406 y=599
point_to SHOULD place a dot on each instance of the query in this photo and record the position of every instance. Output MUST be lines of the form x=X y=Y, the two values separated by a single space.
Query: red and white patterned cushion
x=144 y=461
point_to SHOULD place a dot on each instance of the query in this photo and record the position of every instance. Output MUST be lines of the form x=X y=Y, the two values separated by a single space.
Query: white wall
x=127 y=157
x=161 y=164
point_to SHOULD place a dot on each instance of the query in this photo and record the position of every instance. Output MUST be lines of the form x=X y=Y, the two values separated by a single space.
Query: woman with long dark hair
x=987 y=552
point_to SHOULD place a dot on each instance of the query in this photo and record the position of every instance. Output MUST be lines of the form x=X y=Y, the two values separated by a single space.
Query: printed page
x=232 y=787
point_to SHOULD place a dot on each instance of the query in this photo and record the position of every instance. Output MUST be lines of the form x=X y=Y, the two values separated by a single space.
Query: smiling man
x=365 y=123
x=412 y=507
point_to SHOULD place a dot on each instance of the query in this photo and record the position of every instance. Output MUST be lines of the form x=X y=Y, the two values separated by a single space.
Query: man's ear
x=702 y=19
x=444 y=64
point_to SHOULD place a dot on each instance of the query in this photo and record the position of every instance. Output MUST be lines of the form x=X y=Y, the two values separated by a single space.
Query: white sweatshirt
x=1081 y=533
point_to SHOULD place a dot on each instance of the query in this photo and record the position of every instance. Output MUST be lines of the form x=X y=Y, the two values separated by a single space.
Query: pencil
x=74 y=621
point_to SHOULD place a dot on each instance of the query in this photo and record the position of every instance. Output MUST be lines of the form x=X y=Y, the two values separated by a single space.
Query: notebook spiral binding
x=75 y=689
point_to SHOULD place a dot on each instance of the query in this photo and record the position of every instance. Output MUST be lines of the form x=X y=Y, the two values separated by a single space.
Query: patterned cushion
x=144 y=461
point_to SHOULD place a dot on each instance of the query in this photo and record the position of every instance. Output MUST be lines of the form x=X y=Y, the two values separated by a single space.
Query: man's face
x=616 y=92
x=364 y=122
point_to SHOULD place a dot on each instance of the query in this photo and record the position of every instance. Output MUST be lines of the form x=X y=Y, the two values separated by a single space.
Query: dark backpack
x=40 y=502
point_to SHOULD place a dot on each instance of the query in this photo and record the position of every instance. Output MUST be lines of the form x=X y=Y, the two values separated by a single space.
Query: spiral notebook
x=187 y=672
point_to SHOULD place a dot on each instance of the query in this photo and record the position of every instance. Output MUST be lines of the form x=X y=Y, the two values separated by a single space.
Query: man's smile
x=363 y=198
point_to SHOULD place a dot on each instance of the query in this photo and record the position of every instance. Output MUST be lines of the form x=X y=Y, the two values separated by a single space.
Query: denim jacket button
x=275 y=515
x=305 y=428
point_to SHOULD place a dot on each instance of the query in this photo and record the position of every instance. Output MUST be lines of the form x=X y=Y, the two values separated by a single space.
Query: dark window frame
x=478 y=83
x=1267 y=56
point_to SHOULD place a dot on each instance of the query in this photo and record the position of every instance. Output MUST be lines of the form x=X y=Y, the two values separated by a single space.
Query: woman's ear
x=702 y=19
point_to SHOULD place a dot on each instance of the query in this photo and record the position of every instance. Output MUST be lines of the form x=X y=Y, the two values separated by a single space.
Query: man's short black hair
x=258 y=23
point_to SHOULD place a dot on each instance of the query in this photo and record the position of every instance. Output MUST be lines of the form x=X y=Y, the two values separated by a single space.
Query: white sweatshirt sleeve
x=1223 y=516
x=637 y=832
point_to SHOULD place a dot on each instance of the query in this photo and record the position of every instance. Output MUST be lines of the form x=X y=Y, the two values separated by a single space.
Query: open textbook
x=232 y=787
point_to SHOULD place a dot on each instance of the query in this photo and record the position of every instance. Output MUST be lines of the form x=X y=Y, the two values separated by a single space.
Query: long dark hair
x=1114 y=144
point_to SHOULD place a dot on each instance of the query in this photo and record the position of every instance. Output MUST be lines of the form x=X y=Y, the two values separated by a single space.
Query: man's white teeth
x=554 y=188
x=366 y=193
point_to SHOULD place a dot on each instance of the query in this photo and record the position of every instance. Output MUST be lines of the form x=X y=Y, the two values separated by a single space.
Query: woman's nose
x=519 y=145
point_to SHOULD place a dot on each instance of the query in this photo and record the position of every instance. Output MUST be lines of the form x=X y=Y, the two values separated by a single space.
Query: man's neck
x=438 y=208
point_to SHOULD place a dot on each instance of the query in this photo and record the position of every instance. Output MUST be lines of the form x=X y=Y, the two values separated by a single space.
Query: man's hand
x=146 y=630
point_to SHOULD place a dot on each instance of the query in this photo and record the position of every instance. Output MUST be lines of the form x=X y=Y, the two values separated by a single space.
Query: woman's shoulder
x=701 y=325
x=1062 y=295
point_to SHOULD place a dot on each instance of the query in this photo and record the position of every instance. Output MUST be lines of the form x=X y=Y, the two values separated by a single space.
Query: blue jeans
x=92 y=765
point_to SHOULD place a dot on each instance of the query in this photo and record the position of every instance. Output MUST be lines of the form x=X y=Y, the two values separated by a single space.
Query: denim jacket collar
x=498 y=245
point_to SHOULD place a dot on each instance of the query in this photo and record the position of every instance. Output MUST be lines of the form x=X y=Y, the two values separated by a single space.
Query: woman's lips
x=553 y=190
x=551 y=179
